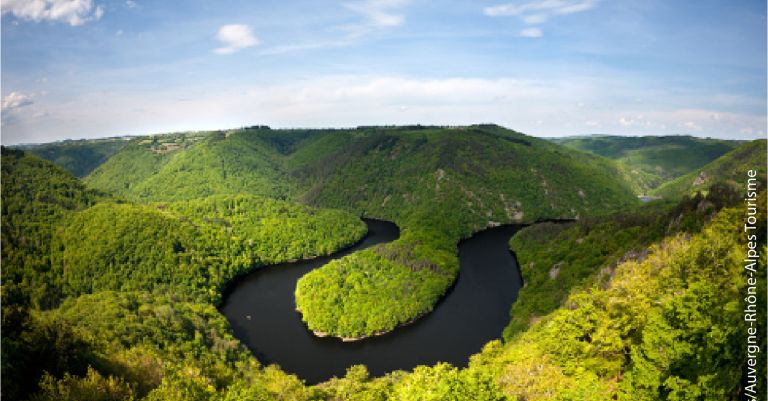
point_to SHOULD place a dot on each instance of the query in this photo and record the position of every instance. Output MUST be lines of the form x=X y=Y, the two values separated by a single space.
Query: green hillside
x=205 y=243
x=487 y=173
x=36 y=195
x=438 y=184
x=78 y=157
x=556 y=259
x=61 y=241
x=458 y=180
x=731 y=169
x=664 y=324
x=194 y=165
x=650 y=161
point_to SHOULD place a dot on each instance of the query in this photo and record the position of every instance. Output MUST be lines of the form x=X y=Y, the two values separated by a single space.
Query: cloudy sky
x=96 y=68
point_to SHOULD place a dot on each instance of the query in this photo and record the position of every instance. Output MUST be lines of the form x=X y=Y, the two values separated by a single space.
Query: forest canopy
x=110 y=289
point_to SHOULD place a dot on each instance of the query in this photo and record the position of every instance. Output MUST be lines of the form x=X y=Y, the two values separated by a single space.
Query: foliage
x=650 y=161
x=122 y=246
x=32 y=346
x=374 y=291
x=456 y=180
x=78 y=157
x=218 y=163
x=556 y=258
x=92 y=387
x=36 y=196
x=439 y=184
x=56 y=246
x=165 y=348
x=666 y=327
x=663 y=326
x=479 y=173
x=122 y=172
x=193 y=247
x=731 y=168
x=274 y=230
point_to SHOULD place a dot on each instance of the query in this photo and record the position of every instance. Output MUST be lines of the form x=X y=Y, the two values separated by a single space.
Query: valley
x=383 y=200
x=174 y=268
x=473 y=312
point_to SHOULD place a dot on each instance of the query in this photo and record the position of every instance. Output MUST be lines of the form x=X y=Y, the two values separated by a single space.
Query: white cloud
x=73 y=12
x=16 y=100
x=539 y=12
x=535 y=19
x=575 y=7
x=381 y=13
x=130 y=3
x=371 y=16
x=692 y=126
x=14 y=104
x=682 y=121
x=235 y=37
x=376 y=14
x=545 y=108
x=281 y=49
x=543 y=7
x=531 y=32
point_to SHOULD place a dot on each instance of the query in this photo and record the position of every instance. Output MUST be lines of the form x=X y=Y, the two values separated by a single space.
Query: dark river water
x=261 y=309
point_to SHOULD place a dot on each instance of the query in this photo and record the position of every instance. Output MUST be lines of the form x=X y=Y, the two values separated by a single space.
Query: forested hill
x=468 y=176
x=78 y=157
x=438 y=184
x=61 y=241
x=661 y=325
x=650 y=161
x=476 y=175
x=731 y=169
x=189 y=166
x=36 y=195
x=87 y=317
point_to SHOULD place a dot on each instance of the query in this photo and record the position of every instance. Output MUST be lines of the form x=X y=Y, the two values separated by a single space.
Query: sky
x=98 y=68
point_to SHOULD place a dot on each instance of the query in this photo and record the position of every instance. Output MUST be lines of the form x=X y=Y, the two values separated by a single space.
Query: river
x=261 y=310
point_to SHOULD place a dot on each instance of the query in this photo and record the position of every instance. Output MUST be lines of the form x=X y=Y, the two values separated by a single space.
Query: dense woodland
x=649 y=161
x=556 y=258
x=729 y=169
x=374 y=291
x=438 y=184
x=190 y=247
x=61 y=241
x=78 y=157
x=629 y=302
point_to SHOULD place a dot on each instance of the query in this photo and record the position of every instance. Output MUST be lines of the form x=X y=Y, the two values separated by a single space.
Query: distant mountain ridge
x=730 y=169
x=494 y=175
x=646 y=162
x=439 y=184
x=79 y=157
x=637 y=322
x=649 y=161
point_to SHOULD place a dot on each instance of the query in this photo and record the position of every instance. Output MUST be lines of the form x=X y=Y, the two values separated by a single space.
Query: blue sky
x=96 y=68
